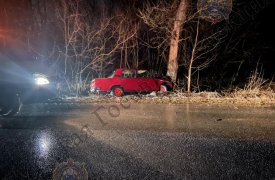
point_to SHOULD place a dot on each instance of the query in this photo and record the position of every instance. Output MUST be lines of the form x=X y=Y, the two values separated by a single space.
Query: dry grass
x=257 y=92
x=257 y=87
x=240 y=98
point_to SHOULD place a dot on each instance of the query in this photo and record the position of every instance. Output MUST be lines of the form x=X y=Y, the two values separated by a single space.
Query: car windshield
x=128 y=73
x=111 y=75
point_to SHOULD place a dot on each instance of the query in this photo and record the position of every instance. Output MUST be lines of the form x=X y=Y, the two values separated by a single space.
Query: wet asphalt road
x=140 y=141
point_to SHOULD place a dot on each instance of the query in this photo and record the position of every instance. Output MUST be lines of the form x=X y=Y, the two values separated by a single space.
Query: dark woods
x=83 y=39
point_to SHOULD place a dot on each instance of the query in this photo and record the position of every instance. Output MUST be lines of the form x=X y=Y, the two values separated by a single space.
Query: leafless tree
x=204 y=50
x=166 y=25
x=176 y=21
x=89 y=46
x=180 y=18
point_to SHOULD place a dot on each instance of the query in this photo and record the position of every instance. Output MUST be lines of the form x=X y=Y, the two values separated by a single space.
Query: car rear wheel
x=163 y=88
x=10 y=107
x=117 y=91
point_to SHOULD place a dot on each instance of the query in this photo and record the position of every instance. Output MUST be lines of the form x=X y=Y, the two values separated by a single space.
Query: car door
x=129 y=80
x=149 y=85
x=145 y=82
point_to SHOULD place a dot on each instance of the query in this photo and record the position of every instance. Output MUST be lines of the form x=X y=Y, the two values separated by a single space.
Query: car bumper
x=95 y=89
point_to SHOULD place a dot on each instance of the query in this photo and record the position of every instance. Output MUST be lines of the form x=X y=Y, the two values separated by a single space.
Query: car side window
x=142 y=74
x=128 y=74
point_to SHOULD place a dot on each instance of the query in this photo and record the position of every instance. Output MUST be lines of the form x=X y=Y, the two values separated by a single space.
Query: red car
x=130 y=80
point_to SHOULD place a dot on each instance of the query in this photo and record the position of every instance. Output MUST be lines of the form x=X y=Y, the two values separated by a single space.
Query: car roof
x=133 y=69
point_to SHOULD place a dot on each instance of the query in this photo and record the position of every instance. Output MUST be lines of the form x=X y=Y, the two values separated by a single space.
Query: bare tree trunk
x=172 y=68
x=65 y=36
x=192 y=60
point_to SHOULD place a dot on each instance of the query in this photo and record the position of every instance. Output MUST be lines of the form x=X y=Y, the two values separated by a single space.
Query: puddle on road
x=217 y=121
x=221 y=121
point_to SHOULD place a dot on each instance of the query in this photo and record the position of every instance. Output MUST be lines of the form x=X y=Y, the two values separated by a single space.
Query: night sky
x=253 y=26
x=264 y=37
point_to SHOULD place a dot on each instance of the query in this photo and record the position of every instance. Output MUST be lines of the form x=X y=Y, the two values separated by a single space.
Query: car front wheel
x=117 y=91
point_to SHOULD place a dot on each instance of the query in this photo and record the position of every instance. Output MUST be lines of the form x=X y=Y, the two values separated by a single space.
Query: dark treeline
x=83 y=39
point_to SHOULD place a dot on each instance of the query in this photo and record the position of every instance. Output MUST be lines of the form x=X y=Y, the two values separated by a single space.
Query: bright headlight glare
x=41 y=81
